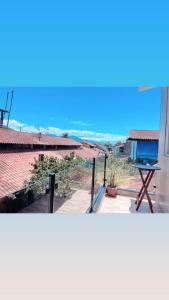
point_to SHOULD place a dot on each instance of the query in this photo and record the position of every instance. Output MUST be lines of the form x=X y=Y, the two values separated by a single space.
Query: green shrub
x=64 y=169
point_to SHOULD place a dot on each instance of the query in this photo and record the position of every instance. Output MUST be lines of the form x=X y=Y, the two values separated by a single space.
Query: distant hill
x=76 y=138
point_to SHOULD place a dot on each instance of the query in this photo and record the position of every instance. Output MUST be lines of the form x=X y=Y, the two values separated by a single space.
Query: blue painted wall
x=147 y=149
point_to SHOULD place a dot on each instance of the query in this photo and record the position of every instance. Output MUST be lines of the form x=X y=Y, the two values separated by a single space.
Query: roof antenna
x=10 y=109
x=40 y=135
x=7 y=98
x=5 y=111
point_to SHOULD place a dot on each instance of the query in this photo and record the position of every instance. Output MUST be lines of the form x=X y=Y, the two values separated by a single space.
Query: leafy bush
x=64 y=169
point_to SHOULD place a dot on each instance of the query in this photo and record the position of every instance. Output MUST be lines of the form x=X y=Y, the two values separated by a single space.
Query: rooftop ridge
x=27 y=138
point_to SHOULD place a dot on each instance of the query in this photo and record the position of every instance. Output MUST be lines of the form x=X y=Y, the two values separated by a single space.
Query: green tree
x=64 y=170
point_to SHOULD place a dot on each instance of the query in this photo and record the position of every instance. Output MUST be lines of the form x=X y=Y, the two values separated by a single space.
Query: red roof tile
x=144 y=135
x=8 y=136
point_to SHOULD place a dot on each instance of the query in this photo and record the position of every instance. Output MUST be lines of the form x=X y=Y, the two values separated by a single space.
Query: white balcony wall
x=162 y=196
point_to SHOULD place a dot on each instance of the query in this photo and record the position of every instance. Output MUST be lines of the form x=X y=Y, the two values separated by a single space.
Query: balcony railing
x=76 y=189
x=79 y=188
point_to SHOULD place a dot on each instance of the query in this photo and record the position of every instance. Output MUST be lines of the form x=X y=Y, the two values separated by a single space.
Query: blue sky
x=91 y=113
x=84 y=43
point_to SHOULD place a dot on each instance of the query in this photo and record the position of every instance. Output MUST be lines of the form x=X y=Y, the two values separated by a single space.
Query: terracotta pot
x=112 y=192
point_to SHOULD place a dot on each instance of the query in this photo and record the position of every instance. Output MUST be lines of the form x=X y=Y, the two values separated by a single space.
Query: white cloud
x=80 y=123
x=14 y=124
x=83 y=134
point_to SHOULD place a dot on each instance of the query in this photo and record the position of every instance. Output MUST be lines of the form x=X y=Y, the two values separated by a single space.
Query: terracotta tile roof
x=83 y=152
x=144 y=135
x=8 y=136
x=15 y=169
x=15 y=166
x=85 y=143
x=101 y=147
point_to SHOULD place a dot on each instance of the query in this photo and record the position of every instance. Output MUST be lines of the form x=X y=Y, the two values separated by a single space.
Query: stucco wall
x=163 y=175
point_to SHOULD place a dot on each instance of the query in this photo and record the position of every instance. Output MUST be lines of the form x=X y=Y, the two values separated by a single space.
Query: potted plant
x=113 y=164
x=112 y=187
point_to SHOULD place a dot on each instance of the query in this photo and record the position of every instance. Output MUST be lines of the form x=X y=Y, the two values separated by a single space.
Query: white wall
x=162 y=197
x=133 y=150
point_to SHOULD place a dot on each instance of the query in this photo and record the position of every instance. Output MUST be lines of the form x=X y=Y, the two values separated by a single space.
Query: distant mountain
x=76 y=138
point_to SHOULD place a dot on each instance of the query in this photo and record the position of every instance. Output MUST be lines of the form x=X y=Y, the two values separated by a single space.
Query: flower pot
x=112 y=192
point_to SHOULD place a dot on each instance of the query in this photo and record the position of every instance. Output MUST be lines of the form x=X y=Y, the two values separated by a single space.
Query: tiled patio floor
x=123 y=204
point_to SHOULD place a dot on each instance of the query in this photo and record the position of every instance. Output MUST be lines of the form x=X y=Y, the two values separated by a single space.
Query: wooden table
x=150 y=170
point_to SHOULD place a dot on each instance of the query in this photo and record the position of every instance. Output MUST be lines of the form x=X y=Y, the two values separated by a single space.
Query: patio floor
x=80 y=202
x=123 y=204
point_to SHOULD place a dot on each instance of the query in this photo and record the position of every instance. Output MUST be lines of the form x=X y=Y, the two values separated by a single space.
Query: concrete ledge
x=132 y=193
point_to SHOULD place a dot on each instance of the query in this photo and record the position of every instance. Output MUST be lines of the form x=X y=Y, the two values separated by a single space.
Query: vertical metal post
x=105 y=169
x=93 y=184
x=10 y=109
x=52 y=193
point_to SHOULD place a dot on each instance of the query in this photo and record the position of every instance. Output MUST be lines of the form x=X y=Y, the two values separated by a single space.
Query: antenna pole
x=7 y=98
x=10 y=109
